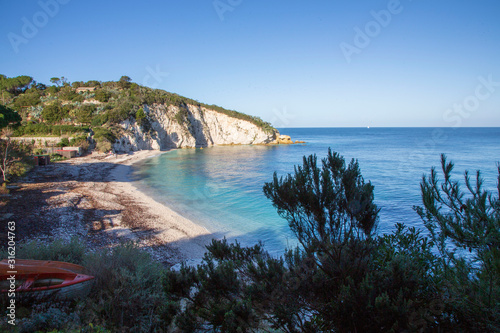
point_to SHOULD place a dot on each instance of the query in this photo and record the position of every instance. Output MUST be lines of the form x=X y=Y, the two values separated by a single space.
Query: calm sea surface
x=221 y=187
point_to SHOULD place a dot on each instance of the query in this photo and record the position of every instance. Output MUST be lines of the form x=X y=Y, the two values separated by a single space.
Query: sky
x=295 y=63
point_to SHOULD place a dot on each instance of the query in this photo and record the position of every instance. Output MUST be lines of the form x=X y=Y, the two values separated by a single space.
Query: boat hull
x=40 y=279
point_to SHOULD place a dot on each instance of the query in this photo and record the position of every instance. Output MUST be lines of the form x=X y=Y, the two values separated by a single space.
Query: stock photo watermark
x=372 y=29
x=282 y=118
x=463 y=110
x=30 y=27
x=223 y=6
x=154 y=77
x=11 y=272
x=455 y=115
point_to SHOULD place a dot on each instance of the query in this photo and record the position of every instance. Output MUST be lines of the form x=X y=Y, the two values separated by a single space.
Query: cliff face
x=190 y=126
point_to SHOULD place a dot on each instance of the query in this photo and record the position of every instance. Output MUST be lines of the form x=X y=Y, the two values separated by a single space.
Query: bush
x=68 y=94
x=27 y=99
x=15 y=157
x=54 y=113
x=78 y=140
x=63 y=143
x=102 y=95
x=465 y=226
x=126 y=294
x=102 y=133
x=104 y=146
x=85 y=113
x=44 y=129
x=343 y=278
x=57 y=158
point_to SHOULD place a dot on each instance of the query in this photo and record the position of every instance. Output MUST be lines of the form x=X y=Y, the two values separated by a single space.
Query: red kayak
x=42 y=278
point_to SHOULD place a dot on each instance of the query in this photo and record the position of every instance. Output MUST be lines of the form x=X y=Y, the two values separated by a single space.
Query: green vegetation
x=42 y=129
x=113 y=102
x=104 y=137
x=8 y=117
x=343 y=277
x=126 y=295
x=14 y=156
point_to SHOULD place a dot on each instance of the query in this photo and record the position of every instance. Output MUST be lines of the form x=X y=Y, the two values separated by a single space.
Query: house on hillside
x=84 y=89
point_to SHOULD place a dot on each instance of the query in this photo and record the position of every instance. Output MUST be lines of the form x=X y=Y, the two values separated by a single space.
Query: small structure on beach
x=66 y=153
x=42 y=160
x=78 y=150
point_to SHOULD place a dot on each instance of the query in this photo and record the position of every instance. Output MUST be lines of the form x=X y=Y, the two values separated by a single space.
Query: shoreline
x=94 y=197
x=189 y=237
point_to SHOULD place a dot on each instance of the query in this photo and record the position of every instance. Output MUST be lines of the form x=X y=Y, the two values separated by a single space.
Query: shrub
x=126 y=294
x=102 y=95
x=57 y=158
x=341 y=279
x=14 y=156
x=54 y=113
x=465 y=226
x=63 y=143
x=103 y=146
x=44 y=129
x=102 y=133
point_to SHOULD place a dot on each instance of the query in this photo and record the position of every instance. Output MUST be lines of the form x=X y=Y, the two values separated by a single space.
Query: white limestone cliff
x=190 y=126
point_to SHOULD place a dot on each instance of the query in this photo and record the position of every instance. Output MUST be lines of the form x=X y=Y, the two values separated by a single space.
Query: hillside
x=125 y=115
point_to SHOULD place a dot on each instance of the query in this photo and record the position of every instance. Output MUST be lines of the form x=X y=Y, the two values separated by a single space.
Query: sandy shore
x=93 y=197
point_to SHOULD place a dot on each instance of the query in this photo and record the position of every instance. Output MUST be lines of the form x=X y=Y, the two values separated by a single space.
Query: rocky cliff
x=188 y=126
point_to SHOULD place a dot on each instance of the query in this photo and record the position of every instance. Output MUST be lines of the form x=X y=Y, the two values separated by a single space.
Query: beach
x=94 y=198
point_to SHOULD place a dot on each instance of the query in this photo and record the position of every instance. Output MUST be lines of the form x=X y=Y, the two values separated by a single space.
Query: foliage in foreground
x=343 y=278
x=14 y=156
x=126 y=294
x=465 y=226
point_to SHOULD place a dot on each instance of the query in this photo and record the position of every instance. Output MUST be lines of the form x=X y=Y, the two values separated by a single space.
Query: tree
x=54 y=113
x=342 y=279
x=68 y=94
x=466 y=228
x=40 y=86
x=15 y=85
x=8 y=117
x=124 y=82
x=11 y=153
x=65 y=82
x=85 y=112
x=332 y=205
x=56 y=81
x=29 y=98
x=140 y=116
x=102 y=95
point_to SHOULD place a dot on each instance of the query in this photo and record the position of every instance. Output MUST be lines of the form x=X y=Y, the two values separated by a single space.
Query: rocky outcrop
x=188 y=126
x=285 y=140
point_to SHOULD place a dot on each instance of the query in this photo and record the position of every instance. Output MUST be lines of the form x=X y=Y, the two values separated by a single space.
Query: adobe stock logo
x=30 y=28
x=221 y=7
x=471 y=103
x=372 y=28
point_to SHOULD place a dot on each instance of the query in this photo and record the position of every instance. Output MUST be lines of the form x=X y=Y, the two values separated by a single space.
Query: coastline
x=94 y=197
x=181 y=234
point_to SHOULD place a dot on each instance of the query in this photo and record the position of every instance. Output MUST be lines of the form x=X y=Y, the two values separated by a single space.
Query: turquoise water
x=221 y=187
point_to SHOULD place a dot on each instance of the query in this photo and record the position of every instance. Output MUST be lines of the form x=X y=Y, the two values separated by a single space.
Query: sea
x=220 y=187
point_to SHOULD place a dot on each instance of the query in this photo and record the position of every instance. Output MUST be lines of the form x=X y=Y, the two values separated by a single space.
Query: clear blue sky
x=293 y=63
